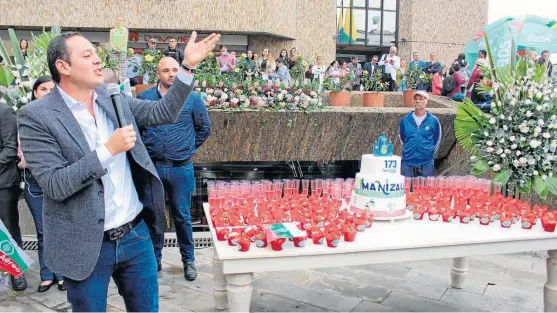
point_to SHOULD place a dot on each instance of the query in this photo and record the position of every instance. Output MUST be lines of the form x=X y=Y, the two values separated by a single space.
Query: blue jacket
x=178 y=141
x=419 y=144
x=421 y=64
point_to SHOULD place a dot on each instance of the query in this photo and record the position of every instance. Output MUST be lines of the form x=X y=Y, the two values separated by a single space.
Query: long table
x=385 y=242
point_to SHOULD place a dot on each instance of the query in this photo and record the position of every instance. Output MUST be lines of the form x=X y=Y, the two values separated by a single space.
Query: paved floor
x=495 y=283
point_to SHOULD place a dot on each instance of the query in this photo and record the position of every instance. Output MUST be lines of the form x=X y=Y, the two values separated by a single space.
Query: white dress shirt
x=390 y=68
x=122 y=204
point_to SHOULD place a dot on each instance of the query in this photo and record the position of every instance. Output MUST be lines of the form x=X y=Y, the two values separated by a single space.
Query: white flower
x=502 y=116
x=518 y=153
x=523 y=128
x=490 y=163
x=472 y=158
x=507 y=151
x=538 y=108
x=499 y=151
x=540 y=123
x=535 y=173
x=23 y=100
x=496 y=167
x=513 y=146
x=546 y=135
x=535 y=143
x=544 y=177
x=509 y=118
x=489 y=150
x=502 y=140
x=503 y=156
x=512 y=138
x=516 y=163
x=523 y=160
x=489 y=143
x=531 y=161
x=14 y=107
x=528 y=113
x=2 y=100
x=505 y=127
x=492 y=121
x=486 y=134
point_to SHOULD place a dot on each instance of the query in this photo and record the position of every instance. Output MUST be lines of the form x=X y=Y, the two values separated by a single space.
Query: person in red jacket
x=437 y=82
x=475 y=77
x=459 y=81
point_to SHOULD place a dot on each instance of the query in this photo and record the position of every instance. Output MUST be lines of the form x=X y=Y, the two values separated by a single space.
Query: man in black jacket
x=9 y=181
x=174 y=52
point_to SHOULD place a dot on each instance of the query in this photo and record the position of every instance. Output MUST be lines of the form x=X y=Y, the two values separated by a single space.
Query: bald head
x=167 y=69
x=109 y=76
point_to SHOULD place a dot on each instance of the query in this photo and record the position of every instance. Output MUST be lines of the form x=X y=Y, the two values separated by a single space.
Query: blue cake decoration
x=383 y=146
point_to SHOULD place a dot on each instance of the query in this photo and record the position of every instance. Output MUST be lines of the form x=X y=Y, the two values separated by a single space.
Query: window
x=389 y=28
x=389 y=5
x=367 y=22
x=375 y=4
x=373 y=28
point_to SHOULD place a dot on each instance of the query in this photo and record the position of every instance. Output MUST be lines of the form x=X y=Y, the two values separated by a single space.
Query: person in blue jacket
x=420 y=133
x=172 y=147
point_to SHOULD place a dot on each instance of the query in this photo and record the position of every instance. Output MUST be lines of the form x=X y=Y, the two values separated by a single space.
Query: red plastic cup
x=277 y=245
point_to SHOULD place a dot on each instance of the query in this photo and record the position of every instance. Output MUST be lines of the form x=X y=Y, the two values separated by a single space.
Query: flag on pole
x=12 y=259
x=340 y=29
x=350 y=30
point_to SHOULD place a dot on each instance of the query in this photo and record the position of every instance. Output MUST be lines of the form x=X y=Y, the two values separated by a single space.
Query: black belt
x=170 y=163
x=119 y=232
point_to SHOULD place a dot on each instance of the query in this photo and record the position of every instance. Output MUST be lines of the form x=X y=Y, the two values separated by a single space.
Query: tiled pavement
x=495 y=283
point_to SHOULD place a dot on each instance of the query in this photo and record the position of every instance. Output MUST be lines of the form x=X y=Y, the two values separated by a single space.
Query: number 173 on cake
x=379 y=186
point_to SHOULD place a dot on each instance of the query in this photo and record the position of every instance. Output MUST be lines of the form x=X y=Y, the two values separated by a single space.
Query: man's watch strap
x=189 y=69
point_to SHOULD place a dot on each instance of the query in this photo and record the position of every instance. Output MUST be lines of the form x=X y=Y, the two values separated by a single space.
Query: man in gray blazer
x=100 y=187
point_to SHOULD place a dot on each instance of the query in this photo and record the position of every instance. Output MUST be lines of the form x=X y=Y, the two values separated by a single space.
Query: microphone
x=116 y=97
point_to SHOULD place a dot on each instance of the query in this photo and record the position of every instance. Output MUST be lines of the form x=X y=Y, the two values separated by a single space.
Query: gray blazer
x=69 y=173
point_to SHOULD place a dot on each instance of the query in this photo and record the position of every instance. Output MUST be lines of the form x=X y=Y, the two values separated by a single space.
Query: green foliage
x=469 y=123
x=373 y=82
x=149 y=61
x=413 y=77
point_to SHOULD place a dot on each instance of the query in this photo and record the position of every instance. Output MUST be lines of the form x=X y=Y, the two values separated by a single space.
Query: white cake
x=379 y=187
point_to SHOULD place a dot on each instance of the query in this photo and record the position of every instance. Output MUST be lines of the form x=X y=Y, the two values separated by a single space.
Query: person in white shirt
x=101 y=190
x=391 y=63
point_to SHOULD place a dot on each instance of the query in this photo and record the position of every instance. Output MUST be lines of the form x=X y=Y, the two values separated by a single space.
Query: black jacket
x=177 y=54
x=9 y=174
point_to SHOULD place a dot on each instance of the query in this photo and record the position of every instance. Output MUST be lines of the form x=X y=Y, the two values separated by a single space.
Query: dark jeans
x=425 y=170
x=34 y=198
x=9 y=213
x=179 y=183
x=131 y=263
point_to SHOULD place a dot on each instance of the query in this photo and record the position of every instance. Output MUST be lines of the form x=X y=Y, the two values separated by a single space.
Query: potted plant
x=373 y=87
x=339 y=93
x=412 y=82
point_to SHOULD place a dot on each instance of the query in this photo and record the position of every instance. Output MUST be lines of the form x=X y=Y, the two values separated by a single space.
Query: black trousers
x=9 y=213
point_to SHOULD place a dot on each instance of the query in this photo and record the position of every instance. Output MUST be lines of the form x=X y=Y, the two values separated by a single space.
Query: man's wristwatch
x=189 y=69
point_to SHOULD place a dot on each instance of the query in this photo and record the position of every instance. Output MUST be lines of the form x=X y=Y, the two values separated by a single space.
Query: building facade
x=328 y=28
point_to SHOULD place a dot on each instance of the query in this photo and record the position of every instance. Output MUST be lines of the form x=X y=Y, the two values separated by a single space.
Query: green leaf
x=551 y=183
x=18 y=56
x=503 y=177
x=6 y=77
x=540 y=186
x=480 y=167
x=469 y=120
x=526 y=187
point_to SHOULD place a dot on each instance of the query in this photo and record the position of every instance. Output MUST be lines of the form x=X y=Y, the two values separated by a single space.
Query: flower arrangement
x=298 y=71
x=517 y=142
x=413 y=77
x=18 y=76
x=344 y=84
x=209 y=67
x=258 y=95
x=149 y=61
x=108 y=60
x=373 y=82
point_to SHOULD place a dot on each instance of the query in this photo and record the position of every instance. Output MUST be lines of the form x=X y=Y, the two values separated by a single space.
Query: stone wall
x=339 y=133
x=441 y=26
x=276 y=24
